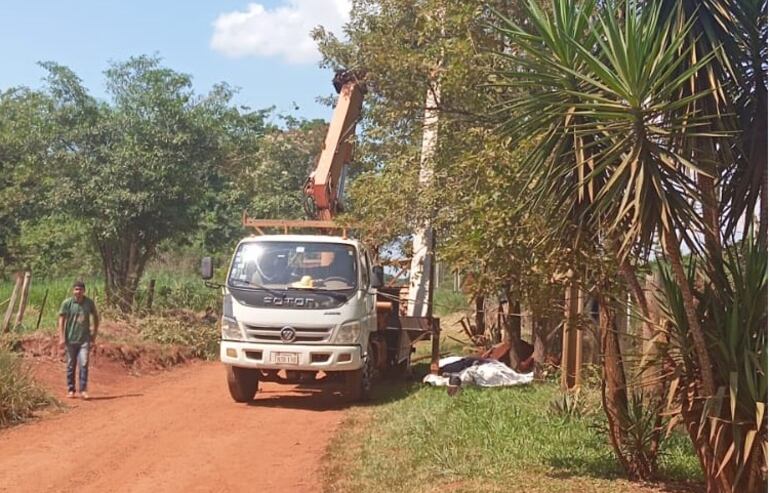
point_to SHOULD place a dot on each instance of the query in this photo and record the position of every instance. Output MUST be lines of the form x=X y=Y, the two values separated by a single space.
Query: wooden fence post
x=24 y=298
x=150 y=294
x=11 y=303
x=42 y=307
x=572 y=339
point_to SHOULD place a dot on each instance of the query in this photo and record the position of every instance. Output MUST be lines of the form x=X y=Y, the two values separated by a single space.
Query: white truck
x=301 y=306
x=304 y=304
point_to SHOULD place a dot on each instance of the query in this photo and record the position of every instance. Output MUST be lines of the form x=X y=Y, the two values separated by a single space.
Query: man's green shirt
x=77 y=326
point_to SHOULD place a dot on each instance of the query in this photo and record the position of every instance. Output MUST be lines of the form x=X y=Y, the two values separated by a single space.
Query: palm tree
x=628 y=104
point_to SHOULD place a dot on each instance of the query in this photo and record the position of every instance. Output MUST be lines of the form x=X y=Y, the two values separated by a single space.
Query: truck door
x=370 y=319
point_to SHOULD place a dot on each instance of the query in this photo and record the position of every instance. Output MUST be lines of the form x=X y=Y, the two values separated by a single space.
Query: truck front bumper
x=283 y=356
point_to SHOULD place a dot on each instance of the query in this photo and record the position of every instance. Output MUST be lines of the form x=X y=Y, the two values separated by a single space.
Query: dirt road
x=177 y=431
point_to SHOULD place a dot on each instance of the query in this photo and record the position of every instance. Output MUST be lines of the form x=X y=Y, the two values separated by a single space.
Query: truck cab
x=296 y=307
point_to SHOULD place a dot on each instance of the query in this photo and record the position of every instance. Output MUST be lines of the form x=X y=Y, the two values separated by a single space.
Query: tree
x=25 y=130
x=405 y=49
x=285 y=159
x=136 y=170
x=631 y=113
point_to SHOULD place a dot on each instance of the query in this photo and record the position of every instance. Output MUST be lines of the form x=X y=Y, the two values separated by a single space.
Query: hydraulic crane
x=325 y=185
x=323 y=201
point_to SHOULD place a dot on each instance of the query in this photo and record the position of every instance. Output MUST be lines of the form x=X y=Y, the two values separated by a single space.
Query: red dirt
x=136 y=357
x=174 y=431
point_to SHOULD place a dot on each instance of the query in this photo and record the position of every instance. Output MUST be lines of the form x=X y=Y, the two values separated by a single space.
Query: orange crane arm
x=323 y=184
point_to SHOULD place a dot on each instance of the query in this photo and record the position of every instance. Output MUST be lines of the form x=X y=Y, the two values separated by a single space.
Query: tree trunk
x=481 y=325
x=514 y=331
x=638 y=461
x=572 y=339
x=651 y=371
x=627 y=271
x=712 y=229
x=150 y=294
x=123 y=263
x=763 y=209
x=614 y=397
x=671 y=248
x=538 y=341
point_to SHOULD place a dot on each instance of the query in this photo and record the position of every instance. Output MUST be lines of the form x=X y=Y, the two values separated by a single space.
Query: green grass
x=58 y=290
x=20 y=397
x=201 y=338
x=419 y=439
x=173 y=290
x=447 y=301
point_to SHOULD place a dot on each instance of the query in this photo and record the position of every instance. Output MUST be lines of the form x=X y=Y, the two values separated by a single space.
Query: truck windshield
x=294 y=265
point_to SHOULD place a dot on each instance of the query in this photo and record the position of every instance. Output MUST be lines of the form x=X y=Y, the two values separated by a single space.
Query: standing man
x=76 y=336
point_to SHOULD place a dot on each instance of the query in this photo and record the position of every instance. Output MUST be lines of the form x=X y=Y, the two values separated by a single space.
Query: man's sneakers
x=71 y=394
x=84 y=395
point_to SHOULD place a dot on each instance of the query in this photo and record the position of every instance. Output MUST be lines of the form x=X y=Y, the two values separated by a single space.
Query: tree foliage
x=91 y=184
x=576 y=138
x=134 y=170
x=631 y=105
x=25 y=131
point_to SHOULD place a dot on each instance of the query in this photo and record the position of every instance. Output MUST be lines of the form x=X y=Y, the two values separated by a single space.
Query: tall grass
x=58 y=290
x=446 y=301
x=173 y=290
x=20 y=397
x=201 y=338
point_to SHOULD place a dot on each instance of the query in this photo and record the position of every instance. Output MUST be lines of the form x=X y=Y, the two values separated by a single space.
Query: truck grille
x=273 y=334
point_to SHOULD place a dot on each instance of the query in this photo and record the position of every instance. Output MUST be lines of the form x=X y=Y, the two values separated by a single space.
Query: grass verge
x=201 y=338
x=418 y=439
x=173 y=291
x=20 y=397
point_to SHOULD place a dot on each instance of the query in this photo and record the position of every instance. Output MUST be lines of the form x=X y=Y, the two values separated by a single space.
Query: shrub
x=201 y=338
x=20 y=397
x=187 y=293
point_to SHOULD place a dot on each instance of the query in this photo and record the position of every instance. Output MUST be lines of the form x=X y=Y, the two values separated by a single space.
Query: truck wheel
x=358 y=383
x=242 y=383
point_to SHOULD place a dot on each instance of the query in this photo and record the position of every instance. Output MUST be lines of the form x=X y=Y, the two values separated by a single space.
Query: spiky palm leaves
x=640 y=110
x=731 y=424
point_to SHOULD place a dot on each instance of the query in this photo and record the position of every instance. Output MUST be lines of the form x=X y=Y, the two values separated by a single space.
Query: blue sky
x=261 y=47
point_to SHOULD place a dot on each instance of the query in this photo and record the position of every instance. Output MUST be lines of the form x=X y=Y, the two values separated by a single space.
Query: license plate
x=284 y=358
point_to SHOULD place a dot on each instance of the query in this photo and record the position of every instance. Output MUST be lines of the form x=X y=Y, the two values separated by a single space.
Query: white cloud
x=282 y=32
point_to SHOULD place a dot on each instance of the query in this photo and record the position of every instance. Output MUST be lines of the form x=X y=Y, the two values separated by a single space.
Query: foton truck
x=303 y=304
x=297 y=305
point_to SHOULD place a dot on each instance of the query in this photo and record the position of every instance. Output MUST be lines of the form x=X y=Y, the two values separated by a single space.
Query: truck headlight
x=348 y=333
x=231 y=330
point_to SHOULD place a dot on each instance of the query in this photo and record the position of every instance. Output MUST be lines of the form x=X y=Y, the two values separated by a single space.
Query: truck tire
x=242 y=383
x=358 y=383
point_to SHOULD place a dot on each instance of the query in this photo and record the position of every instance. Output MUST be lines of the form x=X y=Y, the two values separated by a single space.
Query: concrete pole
x=419 y=281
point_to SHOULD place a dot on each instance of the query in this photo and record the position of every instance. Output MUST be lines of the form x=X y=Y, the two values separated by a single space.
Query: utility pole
x=421 y=270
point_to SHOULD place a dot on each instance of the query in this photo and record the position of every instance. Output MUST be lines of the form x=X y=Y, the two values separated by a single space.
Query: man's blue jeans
x=77 y=353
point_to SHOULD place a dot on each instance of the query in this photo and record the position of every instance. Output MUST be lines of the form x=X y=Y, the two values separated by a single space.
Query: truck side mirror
x=378 y=276
x=207 y=268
